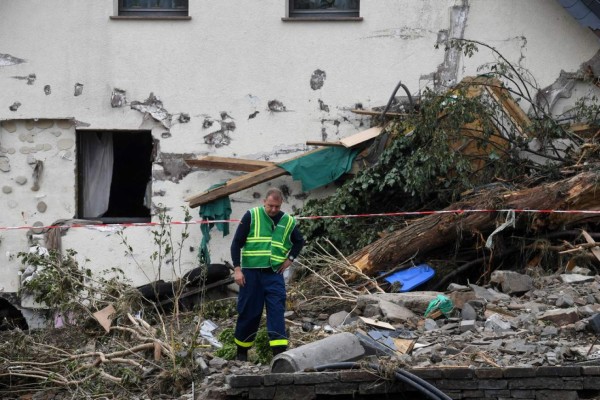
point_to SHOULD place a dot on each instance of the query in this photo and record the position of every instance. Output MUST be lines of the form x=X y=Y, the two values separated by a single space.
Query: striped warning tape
x=368 y=215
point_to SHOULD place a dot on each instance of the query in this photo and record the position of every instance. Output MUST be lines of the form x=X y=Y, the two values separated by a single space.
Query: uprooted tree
x=472 y=147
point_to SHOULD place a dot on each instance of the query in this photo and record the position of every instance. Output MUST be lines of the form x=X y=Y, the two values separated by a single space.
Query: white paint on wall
x=231 y=57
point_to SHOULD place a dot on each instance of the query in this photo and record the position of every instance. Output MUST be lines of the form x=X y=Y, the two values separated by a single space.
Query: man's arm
x=239 y=240
x=297 y=242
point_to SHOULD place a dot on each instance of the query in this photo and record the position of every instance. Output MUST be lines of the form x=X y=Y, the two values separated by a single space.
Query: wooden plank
x=589 y=239
x=377 y=324
x=361 y=137
x=227 y=163
x=237 y=184
x=320 y=143
x=404 y=346
x=242 y=182
x=376 y=113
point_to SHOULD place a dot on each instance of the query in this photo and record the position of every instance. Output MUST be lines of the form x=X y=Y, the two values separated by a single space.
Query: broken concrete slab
x=561 y=317
x=512 y=282
x=417 y=302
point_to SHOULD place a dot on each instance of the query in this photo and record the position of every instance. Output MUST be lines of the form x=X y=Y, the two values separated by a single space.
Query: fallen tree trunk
x=426 y=234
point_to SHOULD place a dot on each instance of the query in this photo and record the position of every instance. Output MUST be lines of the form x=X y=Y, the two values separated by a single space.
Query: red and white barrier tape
x=392 y=214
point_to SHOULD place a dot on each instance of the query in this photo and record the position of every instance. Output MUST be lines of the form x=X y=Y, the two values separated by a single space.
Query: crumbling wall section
x=37 y=175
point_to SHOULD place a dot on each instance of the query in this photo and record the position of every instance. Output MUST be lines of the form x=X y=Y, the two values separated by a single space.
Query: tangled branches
x=325 y=280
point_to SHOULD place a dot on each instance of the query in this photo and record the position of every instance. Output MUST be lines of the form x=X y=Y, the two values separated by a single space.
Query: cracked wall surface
x=218 y=85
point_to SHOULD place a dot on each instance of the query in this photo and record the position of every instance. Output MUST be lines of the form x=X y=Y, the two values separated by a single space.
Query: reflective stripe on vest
x=267 y=245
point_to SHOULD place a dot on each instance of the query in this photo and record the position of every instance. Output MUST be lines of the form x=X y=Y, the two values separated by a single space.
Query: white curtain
x=98 y=158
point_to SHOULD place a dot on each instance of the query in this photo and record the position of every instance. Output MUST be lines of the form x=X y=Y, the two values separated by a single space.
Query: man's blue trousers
x=263 y=287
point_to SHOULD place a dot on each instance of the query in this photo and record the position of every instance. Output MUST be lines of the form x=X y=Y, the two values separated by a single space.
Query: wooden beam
x=320 y=143
x=361 y=137
x=229 y=164
x=377 y=113
x=242 y=182
x=237 y=184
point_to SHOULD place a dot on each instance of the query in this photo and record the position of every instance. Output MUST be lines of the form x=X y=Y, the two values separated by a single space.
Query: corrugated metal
x=587 y=12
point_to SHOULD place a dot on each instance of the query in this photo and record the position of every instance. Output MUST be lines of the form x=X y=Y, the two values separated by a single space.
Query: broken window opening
x=11 y=317
x=114 y=175
x=324 y=8
x=153 y=8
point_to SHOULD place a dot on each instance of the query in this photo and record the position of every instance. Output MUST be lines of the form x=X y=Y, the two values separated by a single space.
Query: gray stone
x=561 y=316
x=65 y=144
x=549 y=331
x=455 y=286
x=44 y=123
x=21 y=180
x=4 y=164
x=217 y=363
x=512 y=282
x=495 y=323
x=576 y=278
x=489 y=294
x=564 y=300
x=6 y=189
x=64 y=123
x=467 y=325
x=42 y=207
x=468 y=313
x=339 y=318
x=430 y=325
x=37 y=227
x=9 y=126
x=372 y=310
x=417 y=302
x=395 y=313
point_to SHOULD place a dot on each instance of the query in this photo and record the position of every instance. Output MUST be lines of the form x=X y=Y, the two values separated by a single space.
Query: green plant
x=260 y=353
x=422 y=166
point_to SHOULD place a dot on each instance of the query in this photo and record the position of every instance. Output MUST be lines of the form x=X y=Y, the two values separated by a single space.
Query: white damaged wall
x=234 y=81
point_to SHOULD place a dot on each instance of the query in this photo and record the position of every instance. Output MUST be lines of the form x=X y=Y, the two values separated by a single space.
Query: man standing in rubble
x=269 y=241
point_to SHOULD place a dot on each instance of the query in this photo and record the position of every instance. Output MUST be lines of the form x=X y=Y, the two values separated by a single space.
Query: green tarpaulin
x=321 y=167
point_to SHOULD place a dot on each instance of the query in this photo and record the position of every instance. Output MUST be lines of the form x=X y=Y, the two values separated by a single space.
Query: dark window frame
x=153 y=12
x=145 y=151
x=322 y=14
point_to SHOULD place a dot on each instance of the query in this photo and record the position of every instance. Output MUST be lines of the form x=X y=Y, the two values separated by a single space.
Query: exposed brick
x=308 y=378
x=487 y=373
x=443 y=384
x=381 y=387
x=427 y=373
x=357 y=376
x=556 y=395
x=236 y=381
x=536 y=383
x=469 y=394
x=295 y=392
x=492 y=393
x=492 y=384
x=278 y=379
x=458 y=373
x=518 y=372
x=573 y=383
x=454 y=395
x=337 y=388
x=558 y=371
x=591 y=383
x=237 y=392
x=590 y=370
x=261 y=392
x=522 y=394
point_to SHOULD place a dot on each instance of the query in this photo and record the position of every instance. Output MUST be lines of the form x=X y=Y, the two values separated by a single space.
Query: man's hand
x=284 y=266
x=238 y=276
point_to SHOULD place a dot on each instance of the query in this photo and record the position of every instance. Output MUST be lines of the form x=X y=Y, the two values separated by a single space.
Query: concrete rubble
x=517 y=321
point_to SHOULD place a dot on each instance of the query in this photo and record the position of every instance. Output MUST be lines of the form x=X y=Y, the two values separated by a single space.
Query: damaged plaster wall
x=37 y=171
x=280 y=85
